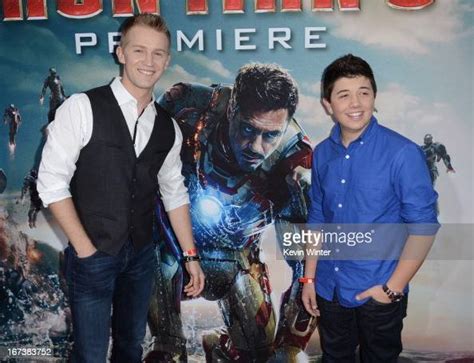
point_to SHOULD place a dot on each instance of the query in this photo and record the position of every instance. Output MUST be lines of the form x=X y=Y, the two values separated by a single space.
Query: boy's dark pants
x=375 y=326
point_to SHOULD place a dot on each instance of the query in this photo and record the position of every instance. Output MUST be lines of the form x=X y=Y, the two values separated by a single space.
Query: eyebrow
x=246 y=124
x=144 y=47
x=346 y=90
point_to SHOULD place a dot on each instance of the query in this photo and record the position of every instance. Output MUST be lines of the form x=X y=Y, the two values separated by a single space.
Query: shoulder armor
x=294 y=150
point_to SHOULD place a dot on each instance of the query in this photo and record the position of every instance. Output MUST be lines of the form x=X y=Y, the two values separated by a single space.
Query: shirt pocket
x=372 y=196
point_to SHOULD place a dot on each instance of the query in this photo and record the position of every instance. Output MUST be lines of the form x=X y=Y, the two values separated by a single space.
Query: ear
x=120 y=55
x=327 y=106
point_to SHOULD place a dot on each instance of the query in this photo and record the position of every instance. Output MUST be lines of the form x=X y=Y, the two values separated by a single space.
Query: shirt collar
x=335 y=134
x=121 y=93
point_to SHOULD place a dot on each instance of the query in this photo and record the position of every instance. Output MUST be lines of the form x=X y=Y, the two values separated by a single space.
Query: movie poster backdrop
x=421 y=53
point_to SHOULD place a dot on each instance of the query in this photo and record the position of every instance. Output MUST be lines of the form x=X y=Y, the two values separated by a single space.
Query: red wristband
x=191 y=252
x=306 y=280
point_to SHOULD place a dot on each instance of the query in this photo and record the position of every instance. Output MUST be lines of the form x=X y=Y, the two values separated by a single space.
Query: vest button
x=132 y=211
x=133 y=196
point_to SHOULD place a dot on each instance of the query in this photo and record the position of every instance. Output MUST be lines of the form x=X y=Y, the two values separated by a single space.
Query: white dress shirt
x=71 y=130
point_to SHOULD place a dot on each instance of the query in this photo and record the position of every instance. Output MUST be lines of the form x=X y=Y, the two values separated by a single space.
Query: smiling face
x=254 y=138
x=351 y=104
x=144 y=54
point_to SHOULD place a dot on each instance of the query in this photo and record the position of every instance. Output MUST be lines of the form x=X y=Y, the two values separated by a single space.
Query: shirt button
x=348 y=156
x=362 y=143
x=339 y=205
x=336 y=269
x=343 y=181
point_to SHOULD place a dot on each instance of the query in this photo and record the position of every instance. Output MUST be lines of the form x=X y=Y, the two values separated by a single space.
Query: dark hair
x=348 y=66
x=153 y=21
x=262 y=88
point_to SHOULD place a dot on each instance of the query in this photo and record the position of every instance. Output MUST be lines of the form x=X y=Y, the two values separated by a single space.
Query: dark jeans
x=97 y=283
x=374 y=326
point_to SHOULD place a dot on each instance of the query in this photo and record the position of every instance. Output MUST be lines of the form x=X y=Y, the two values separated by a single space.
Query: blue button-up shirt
x=381 y=177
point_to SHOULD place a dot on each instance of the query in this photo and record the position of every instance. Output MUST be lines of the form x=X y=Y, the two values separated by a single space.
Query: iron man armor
x=230 y=209
x=12 y=117
x=56 y=96
x=434 y=153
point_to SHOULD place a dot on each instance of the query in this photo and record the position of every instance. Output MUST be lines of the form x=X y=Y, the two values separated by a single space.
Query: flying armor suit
x=230 y=209
x=434 y=153
x=56 y=96
x=12 y=117
x=29 y=186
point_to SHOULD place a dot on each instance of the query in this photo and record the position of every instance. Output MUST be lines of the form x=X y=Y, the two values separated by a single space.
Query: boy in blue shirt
x=365 y=173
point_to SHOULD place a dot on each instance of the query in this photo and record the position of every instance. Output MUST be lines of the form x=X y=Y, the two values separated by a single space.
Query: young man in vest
x=108 y=152
x=365 y=174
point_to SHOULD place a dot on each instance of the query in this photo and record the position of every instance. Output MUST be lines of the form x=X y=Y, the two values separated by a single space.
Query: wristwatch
x=394 y=296
x=187 y=259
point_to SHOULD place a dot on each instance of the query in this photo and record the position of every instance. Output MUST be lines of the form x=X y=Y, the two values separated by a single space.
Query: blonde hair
x=153 y=21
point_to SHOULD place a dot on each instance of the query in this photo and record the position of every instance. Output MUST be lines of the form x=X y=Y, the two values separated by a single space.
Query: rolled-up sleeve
x=415 y=191
x=66 y=136
x=173 y=192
